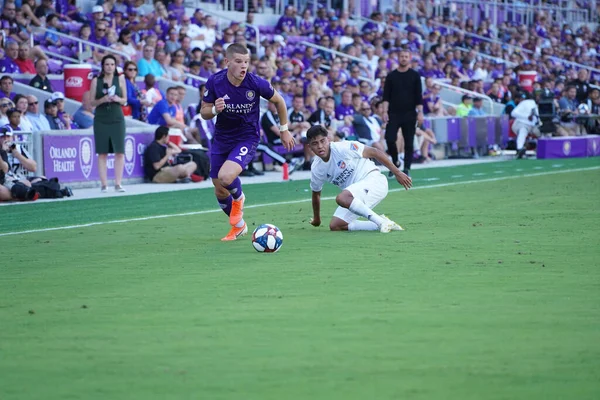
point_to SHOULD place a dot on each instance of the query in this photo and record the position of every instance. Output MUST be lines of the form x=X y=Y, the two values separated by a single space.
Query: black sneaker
x=257 y=172
x=390 y=174
x=407 y=172
x=521 y=153
x=246 y=173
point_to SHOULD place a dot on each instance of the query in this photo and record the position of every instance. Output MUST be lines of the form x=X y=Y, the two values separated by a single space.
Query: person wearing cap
x=462 y=110
x=477 y=109
x=59 y=99
x=51 y=114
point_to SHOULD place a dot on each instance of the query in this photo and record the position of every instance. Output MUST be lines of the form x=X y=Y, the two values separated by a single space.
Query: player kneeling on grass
x=347 y=165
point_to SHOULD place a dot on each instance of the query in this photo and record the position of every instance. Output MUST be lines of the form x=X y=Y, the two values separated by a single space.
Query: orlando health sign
x=72 y=158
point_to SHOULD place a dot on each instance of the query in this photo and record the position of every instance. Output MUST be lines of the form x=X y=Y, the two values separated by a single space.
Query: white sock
x=362 y=226
x=240 y=224
x=521 y=137
x=401 y=155
x=360 y=208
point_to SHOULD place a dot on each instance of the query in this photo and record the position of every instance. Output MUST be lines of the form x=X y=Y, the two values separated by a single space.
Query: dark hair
x=298 y=96
x=124 y=33
x=171 y=89
x=50 y=18
x=161 y=132
x=316 y=131
x=107 y=57
x=19 y=97
x=10 y=112
x=6 y=78
x=236 y=48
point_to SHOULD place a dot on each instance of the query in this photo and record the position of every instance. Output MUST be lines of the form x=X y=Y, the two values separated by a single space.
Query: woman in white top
x=21 y=104
x=5 y=105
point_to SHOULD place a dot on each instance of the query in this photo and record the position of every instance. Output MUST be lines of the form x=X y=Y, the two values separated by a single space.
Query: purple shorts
x=241 y=153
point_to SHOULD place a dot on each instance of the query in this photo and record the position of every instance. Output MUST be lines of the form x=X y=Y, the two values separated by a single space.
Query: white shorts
x=370 y=191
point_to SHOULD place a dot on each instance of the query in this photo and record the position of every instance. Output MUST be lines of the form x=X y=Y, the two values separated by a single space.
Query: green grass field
x=492 y=292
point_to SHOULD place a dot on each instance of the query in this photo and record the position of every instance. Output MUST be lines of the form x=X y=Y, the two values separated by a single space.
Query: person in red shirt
x=23 y=60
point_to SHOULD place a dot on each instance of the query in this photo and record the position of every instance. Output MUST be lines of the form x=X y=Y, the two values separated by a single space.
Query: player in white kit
x=347 y=165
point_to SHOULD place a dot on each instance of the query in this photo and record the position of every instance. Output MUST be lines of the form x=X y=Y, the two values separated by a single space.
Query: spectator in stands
x=24 y=60
x=593 y=103
x=99 y=36
x=14 y=120
x=51 y=111
x=40 y=80
x=27 y=8
x=153 y=95
x=164 y=113
x=581 y=85
x=59 y=99
x=180 y=112
x=7 y=63
x=84 y=116
x=21 y=104
x=287 y=22
x=325 y=117
x=9 y=25
x=477 y=109
x=462 y=110
x=52 y=26
x=367 y=127
x=527 y=120
x=148 y=64
x=423 y=138
x=109 y=94
x=567 y=110
x=125 y=44
x=6 y=86
x=177 y=69
x=157 y=156
x=345 y=108
x=135 y=97
x=39 y=121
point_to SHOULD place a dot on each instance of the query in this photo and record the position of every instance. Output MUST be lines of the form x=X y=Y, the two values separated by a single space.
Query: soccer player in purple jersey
x=233 y=95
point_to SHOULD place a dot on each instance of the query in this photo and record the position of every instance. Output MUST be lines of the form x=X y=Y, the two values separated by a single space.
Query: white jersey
x=346 y=166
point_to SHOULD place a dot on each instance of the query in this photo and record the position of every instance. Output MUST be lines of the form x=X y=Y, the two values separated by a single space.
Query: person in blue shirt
x=477 y=110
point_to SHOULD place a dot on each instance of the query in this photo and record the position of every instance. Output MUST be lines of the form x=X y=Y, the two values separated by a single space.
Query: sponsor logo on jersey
x=341 y=164
x=353 y=146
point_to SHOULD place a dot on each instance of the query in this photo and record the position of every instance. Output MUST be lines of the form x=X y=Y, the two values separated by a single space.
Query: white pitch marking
x=456 y=176
x=187 y=214
x=479 y=174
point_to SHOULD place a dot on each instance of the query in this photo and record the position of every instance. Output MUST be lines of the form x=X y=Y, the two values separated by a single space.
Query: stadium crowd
x=341 y=90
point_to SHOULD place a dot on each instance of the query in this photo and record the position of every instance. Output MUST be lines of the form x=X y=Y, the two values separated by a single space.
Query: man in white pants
x=347 y=165
x=527 y=120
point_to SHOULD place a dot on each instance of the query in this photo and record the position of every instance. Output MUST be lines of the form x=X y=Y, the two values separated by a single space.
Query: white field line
x=434 y=186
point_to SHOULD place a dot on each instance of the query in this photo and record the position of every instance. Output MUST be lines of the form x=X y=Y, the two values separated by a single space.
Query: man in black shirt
x=582 y=85
x=41 y=81
x=156 y=160
x=403 y=108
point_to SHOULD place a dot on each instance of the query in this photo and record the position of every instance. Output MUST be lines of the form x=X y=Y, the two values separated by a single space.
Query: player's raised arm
x=401 y=177
x=286 y=137
x=316 y=205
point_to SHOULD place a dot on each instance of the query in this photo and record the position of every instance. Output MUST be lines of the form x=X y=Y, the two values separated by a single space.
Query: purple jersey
x=8 y=66
x=240 y=118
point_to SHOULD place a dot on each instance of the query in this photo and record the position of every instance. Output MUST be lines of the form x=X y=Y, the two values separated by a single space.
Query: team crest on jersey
x=341 y=164
x=353 y=146
x=250 y=94
x=205 y=92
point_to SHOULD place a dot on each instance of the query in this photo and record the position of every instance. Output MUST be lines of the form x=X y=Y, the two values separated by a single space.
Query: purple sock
x=225 y=204
x=235 y=188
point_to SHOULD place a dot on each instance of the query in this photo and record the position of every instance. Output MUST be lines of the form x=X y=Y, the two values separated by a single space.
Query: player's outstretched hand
x=315 y=221
x=287 y=140
x=404 y=180
x=220 y=104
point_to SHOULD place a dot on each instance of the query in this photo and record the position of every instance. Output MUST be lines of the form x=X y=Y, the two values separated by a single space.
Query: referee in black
x=402 y=108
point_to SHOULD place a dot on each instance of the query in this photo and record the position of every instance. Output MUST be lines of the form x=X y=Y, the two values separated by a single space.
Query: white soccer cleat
x=394 y=226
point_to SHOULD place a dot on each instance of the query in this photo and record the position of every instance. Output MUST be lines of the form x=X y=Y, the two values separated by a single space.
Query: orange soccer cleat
x=235 y=233
x=237 y=211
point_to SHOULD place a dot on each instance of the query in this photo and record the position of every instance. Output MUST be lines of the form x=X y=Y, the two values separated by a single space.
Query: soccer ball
x=583 y=109
x=267 y=238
